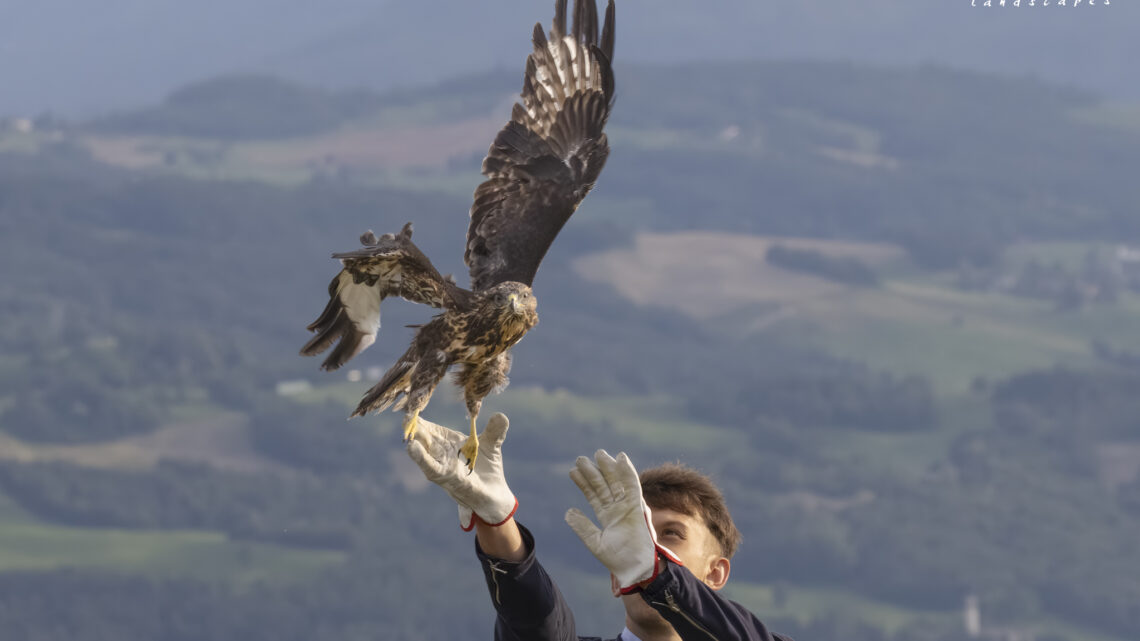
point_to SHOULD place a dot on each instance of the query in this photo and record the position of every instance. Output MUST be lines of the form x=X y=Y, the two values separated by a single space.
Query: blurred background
x=874 y=266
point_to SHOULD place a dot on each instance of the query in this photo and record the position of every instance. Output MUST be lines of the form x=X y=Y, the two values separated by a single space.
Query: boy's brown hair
x=680 y=488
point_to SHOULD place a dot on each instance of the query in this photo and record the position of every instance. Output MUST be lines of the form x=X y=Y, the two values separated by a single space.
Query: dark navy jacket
x=530 y=607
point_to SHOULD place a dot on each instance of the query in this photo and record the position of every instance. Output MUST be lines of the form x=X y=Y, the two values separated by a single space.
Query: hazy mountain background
x=81 y=58
x=891 y=308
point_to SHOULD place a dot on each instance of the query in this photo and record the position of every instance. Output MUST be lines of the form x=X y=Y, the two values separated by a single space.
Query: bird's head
x=514 y=299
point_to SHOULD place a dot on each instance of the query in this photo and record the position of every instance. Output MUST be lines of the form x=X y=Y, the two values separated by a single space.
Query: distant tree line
x=846 y=270
x=243 y=107
x=365 y=600
x=1101 y=403
x=290 y=509
x=849 y=397
x=1100 y=280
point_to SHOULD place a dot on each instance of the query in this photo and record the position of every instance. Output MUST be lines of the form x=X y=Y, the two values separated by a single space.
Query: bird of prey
x=538 y=169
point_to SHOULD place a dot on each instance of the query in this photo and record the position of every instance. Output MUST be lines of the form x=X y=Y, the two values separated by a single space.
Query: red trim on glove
x=471 y=525
x=508 y=518
x=636 y=587
x=657 y=553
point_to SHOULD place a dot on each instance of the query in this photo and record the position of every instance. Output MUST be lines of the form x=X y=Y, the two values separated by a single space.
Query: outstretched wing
x=387 y=266
x=546 y=159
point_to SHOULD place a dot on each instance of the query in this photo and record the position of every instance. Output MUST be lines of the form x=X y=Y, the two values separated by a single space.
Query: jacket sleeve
x=528 y=603
x=699 y=613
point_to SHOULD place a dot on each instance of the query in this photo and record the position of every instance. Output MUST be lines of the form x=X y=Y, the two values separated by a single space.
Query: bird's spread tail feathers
x=391 y=390
x=352 y=317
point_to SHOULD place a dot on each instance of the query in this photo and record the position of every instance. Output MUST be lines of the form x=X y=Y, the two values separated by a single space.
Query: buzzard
x=538 y=169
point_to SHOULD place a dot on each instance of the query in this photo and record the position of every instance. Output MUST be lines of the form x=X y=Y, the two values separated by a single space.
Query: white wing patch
x=362 y=304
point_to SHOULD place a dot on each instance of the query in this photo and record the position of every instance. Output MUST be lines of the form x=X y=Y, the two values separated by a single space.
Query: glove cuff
x=658 y=552
x=467 y=517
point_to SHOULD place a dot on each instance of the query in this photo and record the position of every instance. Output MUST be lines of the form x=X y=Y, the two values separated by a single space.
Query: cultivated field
x=911 y=323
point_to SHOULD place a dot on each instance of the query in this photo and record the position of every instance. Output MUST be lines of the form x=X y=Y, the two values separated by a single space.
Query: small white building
x=1128 y=254
x=293 y=388
x=973 y=617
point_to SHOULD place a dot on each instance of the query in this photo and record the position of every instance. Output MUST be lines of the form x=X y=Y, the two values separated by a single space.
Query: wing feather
x=558 y=25
x=391 y=265
x=607 y=43
x=547 y=158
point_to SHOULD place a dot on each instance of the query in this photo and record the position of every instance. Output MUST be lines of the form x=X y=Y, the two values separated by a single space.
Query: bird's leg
x=470 y=448
x=421 y=383
x=411 y=422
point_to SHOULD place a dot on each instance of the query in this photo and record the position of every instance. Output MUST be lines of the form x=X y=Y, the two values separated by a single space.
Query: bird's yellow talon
x=470 y=448
x=470 y=451
x=411 y=422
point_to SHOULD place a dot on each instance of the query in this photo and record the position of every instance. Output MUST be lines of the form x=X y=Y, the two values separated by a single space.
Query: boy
x=666 y=538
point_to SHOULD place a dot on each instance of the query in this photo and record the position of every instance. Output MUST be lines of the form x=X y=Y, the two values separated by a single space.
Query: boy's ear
x=717 y=574
x=615 y=587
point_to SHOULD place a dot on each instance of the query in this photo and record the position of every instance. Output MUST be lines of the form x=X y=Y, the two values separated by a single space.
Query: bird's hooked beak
x=514 y=300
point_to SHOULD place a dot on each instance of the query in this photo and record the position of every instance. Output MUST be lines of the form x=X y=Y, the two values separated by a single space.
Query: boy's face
x=690 y=540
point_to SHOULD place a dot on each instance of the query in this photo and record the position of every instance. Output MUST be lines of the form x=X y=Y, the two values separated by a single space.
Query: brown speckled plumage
x=476 y=338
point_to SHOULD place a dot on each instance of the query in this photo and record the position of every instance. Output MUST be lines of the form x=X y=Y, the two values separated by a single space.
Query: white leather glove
x=626 y=542
x=481 y=493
